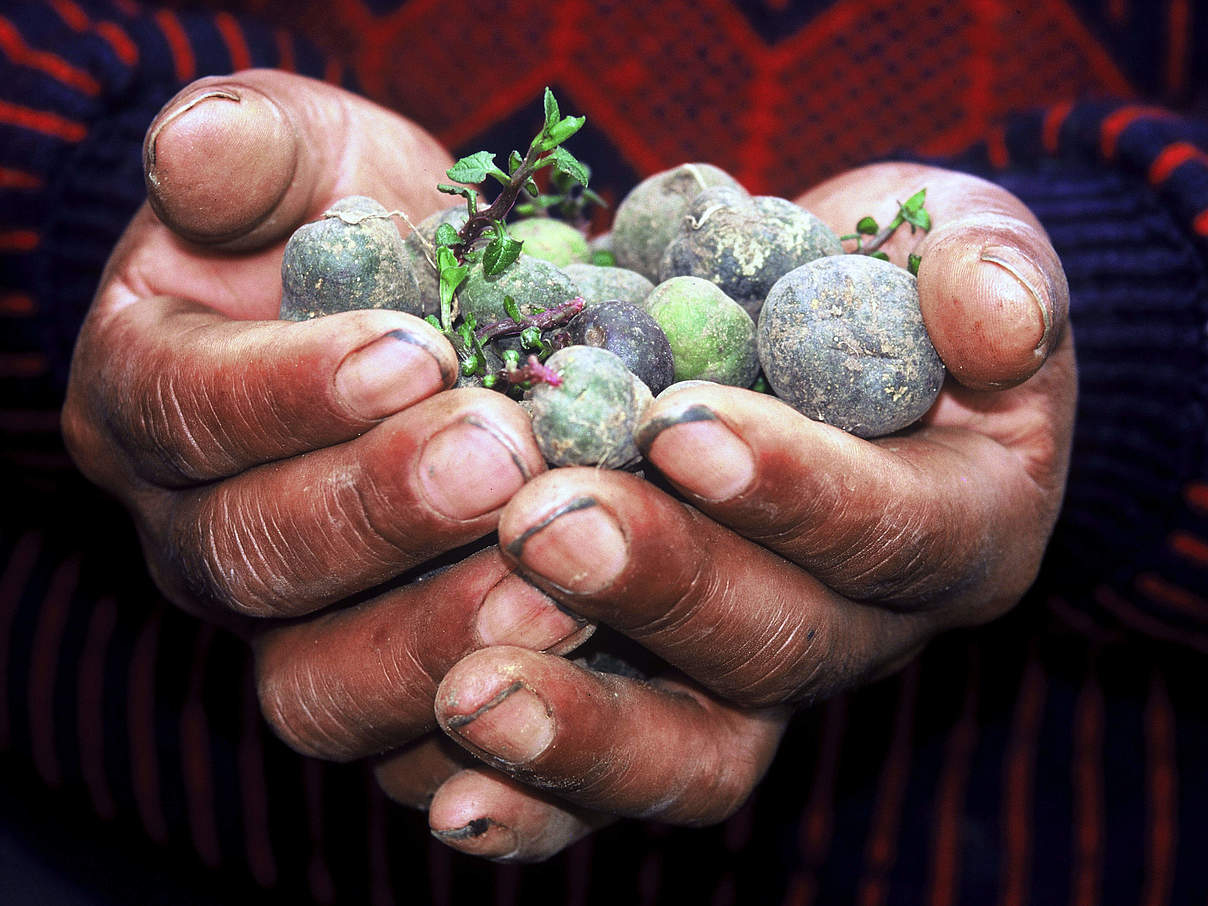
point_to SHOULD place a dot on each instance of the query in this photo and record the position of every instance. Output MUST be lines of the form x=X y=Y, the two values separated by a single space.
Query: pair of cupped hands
x=282 y=476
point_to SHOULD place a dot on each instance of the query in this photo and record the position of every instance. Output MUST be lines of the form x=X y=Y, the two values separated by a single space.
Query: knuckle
x=226 y=552
x=298 y=705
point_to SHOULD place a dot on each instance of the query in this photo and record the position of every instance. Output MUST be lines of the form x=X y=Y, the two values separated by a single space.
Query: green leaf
x=912 y=263
x=552 y=114
x=530 y=338
x=512 y=309
x=514 y=161
x=465 y=192
x=867 y=226
x=593 y=198
x=530 y=186
x=601 y=258
x=511 y=358
x=490 y=380
x=559 y=132
x=434 y=321
x=879 y=255
x=446 y=234
x=565 y=162
x=915 y=202
x=473 y=168
x=919 y=218
x=499 y=254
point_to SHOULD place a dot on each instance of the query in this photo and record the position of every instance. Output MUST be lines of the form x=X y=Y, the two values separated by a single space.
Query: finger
x=287 y=538
x=361 y=680
x=478 y=811
x=736 y=617
x=484 y=813
x=992 y=291
x=195 y=396
x=942 y=515
x=239 y=161
x=607 y=742
x=411 y=775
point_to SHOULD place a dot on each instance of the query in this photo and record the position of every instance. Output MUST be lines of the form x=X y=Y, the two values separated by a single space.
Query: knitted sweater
x=1053 y=756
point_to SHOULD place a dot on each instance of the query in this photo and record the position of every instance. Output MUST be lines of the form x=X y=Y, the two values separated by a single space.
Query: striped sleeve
x=1123 y=191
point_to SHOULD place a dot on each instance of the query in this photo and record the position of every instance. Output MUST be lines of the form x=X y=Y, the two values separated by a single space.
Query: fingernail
x=389 y=375
x=697 y=451
x=514 y=726
x=226 y=133
x=483 y=837
x=578 y=547
x=516 y=613
x=171 y=116
x=468 y=469
x=1024 y=273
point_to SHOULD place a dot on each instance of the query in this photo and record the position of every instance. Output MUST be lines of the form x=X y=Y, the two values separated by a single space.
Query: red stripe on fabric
x=40 y=121
x=333 y=72
x=1087 y=868
x=817 y=821
x=881 y=849
x=1200 y=223
x=12 y=584
x=1115 y=123
x=17 y=305
x=1196 y=493
x=1133 y=616
x=18 y=240
x=71 y=14
x=380 y=892
x=1161 y=794
x=30 y=421
x=950 y=795
x=46 y=646
x=195 y=756
x=236 y=42
x=140 y=723
x=1178 y=32
x=90 y=718
x=1019 y=771
x=1050 y=129
x=322 y=888
x=1189 y=546
x=1171 y=158
x=23 y=365
x=253 y=786
x=123 y=45
x=127 y=7
x=578 y=871
x=996 y=148
x=650 y=871
x=285 y=51
x=1173 y=596
x=14 y=47
x=178 y=43
x=19 y=179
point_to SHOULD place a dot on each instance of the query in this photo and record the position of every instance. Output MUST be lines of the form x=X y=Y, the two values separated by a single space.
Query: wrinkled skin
x=274 y=473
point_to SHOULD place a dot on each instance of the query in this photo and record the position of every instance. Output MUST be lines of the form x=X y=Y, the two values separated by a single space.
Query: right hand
x=274 y=469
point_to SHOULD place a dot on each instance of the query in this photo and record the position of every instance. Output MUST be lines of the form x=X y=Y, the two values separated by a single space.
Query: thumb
x=238 y=162
x=993 y=294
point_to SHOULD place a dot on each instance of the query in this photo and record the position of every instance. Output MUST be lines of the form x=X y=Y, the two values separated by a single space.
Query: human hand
x=274 y=468
x=805 y=561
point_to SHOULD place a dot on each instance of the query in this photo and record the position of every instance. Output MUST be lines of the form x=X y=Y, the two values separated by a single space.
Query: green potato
x=551 y=240
x=589 y=418
x=649 y=216
x=744 y=244
x=351 y=258
x=712 y=338
x=842 y=340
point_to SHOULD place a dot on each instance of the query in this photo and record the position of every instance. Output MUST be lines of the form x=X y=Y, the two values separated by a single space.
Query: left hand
x=805 y=561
